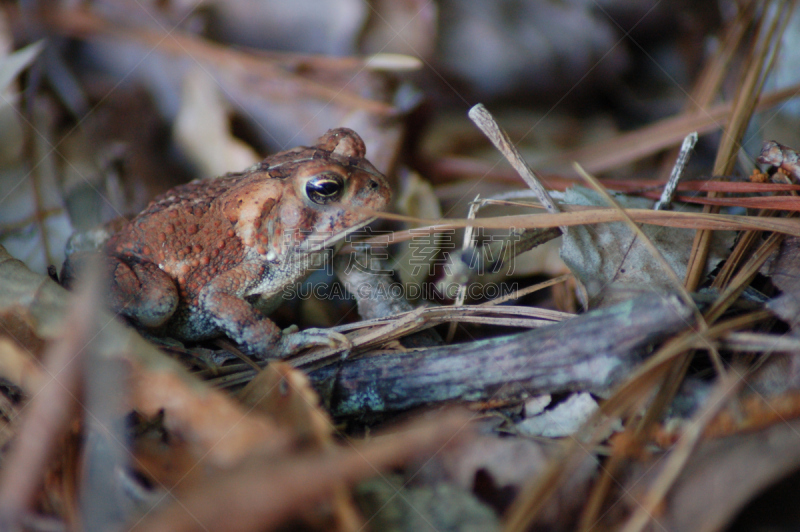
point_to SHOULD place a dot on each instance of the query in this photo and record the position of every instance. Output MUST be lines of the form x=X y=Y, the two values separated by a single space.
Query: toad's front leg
x=256 y=334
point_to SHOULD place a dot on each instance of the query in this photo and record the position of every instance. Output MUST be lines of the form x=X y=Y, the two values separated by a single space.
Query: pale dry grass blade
x=586 y=216
x=754 y=75
x=486 y=122
x=680 y=454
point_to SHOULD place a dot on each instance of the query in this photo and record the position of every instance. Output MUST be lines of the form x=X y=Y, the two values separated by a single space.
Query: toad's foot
x=292 y=342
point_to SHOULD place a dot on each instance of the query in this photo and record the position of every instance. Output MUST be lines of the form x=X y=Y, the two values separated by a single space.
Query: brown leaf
x=260 y=494
x=284 y=396
x=723 y=475
x=214 y=426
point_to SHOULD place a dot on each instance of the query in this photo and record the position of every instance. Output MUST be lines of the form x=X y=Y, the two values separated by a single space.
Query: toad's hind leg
x=141 y=291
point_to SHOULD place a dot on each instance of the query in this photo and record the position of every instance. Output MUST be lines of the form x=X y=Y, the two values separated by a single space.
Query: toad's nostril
x=373 y=184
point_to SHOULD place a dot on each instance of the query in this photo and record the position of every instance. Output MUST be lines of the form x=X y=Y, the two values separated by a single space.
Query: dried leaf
x=537 y=405
x=18 y=366
x=562 y=420
x=217 y=429
x=408 y=27
x=13 y=65
x=263 y=493
x=785 y=274
x=52 y=407
x=509 y=461
x=723 y=475
x=497 y=468
x=206 y=423
x=33 y=224
x=417 y=259
x=202 y=129
x=612 y=264
x=285 y=396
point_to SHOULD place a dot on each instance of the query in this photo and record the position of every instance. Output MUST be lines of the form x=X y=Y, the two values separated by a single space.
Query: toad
x=213 y=257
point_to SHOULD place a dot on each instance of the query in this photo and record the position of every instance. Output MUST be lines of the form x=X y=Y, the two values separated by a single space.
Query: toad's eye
x=325 y=188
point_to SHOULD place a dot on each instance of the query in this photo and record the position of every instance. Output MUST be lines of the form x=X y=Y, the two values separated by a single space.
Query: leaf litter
x=628 y=414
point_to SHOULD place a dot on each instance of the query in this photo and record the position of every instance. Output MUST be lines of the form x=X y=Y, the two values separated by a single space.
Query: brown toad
x=212 y=257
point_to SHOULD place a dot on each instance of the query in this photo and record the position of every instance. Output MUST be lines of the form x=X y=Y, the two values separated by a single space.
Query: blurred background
x=105 y=104
x=115 y=101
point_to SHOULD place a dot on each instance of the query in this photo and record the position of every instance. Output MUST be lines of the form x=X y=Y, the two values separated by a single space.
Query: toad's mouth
x=315 y=245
